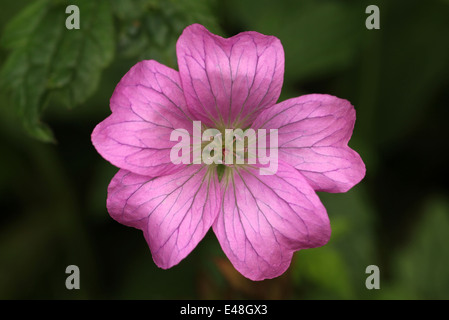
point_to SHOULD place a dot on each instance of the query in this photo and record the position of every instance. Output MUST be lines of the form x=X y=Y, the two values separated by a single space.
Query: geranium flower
x=259 y=220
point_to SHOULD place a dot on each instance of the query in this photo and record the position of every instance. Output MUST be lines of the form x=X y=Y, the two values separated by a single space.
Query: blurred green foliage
x=48 y=61
x=55 y=87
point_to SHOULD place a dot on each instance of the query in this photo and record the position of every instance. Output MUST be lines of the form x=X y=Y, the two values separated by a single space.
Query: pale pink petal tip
x=173 y=211
x=231 y=80
x=267 y=218
x=314 y=131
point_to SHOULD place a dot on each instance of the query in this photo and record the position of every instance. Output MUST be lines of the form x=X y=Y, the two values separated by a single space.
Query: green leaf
x=338 y=268
x=420 y=270
x=325 y=268
x=149 y=29
x=404 y=70
x=48 y=61
x=319 y=37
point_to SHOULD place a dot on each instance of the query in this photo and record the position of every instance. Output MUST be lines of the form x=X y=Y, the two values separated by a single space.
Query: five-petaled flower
x=259 y=220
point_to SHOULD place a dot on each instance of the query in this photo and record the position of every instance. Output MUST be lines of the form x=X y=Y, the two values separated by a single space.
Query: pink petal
x=173 y=211
x=313 y=132
x=229 y=80
x=264 y=219
x=147 y=105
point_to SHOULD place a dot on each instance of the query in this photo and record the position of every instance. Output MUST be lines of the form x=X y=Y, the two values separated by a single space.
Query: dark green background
x=55 y=87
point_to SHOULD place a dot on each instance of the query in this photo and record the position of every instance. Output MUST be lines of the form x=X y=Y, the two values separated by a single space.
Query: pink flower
x=259 y=220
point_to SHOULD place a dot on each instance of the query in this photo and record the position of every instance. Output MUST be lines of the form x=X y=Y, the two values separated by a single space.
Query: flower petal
x=173 y=211
x=313 y=133
x=264 y=219
x=147 y=105
x=229 y=81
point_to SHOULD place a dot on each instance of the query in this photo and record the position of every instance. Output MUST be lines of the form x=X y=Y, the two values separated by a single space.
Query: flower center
x=227 y=149
x=230 y=147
